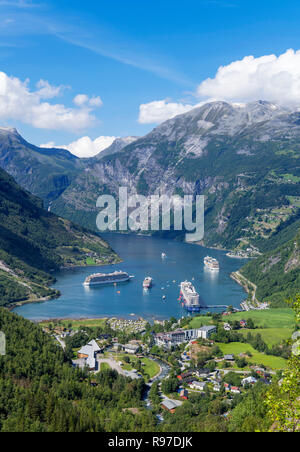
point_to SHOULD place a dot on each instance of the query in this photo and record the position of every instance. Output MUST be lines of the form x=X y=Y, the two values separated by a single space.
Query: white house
x=131 y=348
x=199 y=385
x=91 y=348
x=249 y=380
x=227 y=327
x=235 y=390
x=88 y=353
x=206 y=331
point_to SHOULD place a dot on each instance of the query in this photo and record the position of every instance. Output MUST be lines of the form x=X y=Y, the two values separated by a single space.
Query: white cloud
x=82 y=99
x=84 y=147
x=160 y=110
x=47 y=91
x=50 y=145
x=18 y=102
x=95 y=101
x=270 y=77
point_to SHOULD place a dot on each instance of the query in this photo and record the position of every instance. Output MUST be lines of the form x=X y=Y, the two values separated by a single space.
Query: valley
x=242 y=158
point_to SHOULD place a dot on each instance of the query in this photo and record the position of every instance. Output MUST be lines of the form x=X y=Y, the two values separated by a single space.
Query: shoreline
x=15 y=305
x=19 y=304
x=71 y=267
x=136 y=317
x=80 y=319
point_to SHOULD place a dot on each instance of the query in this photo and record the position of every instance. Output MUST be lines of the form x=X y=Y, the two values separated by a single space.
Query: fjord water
x=142 y=257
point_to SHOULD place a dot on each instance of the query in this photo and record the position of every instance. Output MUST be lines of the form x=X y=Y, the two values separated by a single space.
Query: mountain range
x=243 y=157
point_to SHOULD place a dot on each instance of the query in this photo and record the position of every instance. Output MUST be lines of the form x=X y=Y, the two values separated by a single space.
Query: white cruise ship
x=107 y=278
x=189 y=297
x=211 y=263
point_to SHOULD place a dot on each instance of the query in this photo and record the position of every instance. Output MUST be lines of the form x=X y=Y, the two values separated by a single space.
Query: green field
x=199 y=321
x=271 y=336
x=272 y=362
x=270 y=318
x=150 y=367
x=104 y=366
x=90 y=261
x=290 y=177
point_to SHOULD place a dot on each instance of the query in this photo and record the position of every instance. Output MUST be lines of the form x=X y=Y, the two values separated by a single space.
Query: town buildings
x=198 y=385
x=173 y=338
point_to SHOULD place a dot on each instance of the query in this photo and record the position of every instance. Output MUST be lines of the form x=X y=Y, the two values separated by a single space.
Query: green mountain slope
x=34 y=242
x=41 y=392
x=44 y=172
x=276 y=273
x=243 y=158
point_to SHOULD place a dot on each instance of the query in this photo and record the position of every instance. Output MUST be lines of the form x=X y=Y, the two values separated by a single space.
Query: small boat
x=147 y=284
x=163 y=255
x=164 y=297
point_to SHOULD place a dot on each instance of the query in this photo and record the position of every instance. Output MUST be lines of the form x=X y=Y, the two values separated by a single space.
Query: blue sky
x=129 y=53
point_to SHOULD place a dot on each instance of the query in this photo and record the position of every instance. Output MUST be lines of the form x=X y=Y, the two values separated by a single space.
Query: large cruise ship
x=107 y=278
x=189 y=297
x=211 y=263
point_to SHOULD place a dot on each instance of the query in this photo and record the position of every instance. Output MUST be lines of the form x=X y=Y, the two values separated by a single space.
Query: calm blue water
x=142 y=257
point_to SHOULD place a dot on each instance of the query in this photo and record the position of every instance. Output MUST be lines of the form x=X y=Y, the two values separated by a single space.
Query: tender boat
x=147 y=284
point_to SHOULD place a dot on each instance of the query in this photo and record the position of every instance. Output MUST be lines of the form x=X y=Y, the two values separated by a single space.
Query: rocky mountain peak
x=9 y=131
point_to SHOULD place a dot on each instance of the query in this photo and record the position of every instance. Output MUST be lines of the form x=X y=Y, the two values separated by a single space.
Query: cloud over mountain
x=84 y=147
x=270 y=77
x=160 y=110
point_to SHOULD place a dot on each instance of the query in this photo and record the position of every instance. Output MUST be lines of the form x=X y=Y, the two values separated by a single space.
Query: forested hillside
x=34 y=242
x=41 y=392
x=276 y=273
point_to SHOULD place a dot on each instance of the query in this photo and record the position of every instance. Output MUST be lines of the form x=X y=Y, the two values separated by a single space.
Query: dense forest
x=34 y=242
x=276 y=273
x=41 y=391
